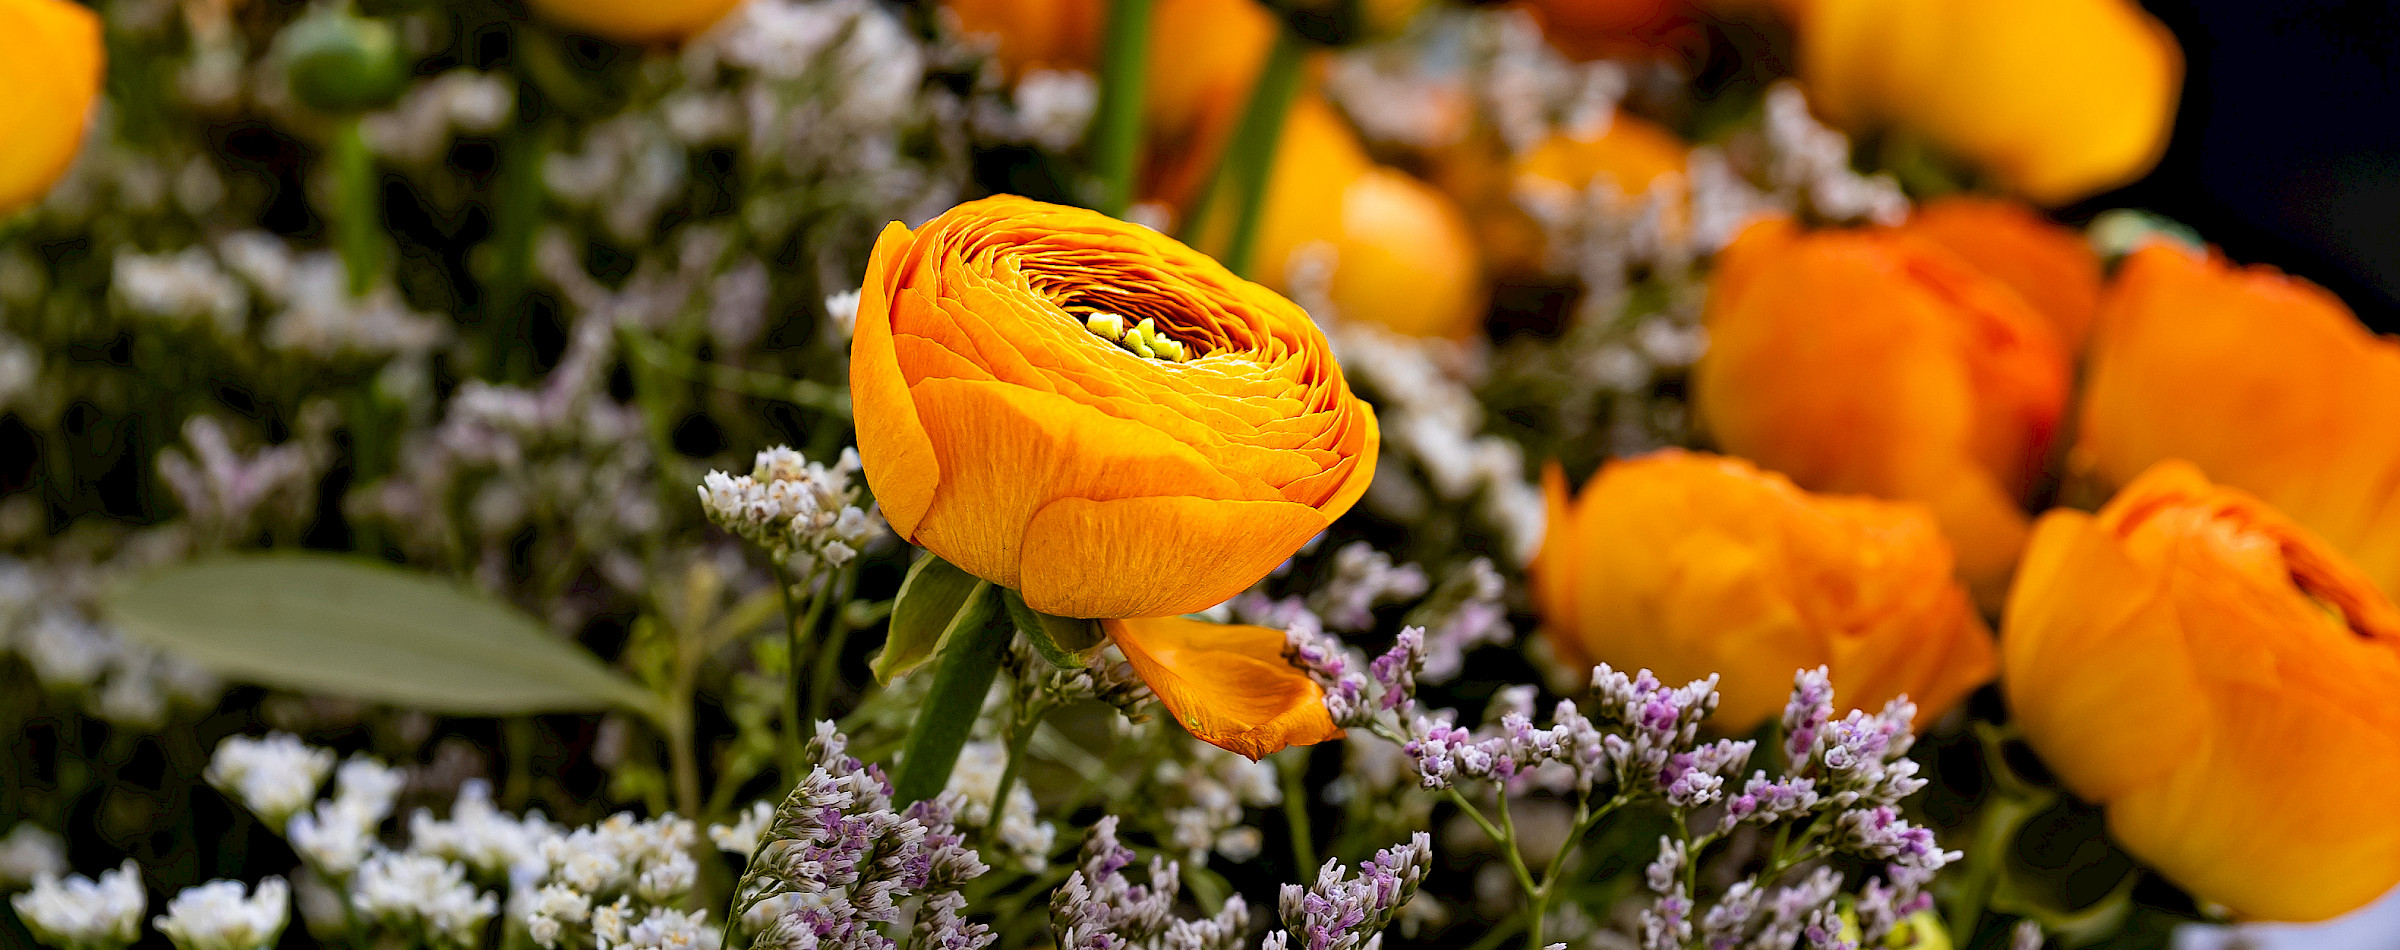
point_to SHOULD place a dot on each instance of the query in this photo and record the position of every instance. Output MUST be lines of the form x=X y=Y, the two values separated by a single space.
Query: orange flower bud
x=51 y=61
x=1115 y=426
x=1869 y=362
x=2057 y=98
x=1035 y=34
x=1003 y=431
x=2052 y=267
x=2266 y=382
x=638 y=21
x=1635 y=154
x=2224 y=683
x=1689 y=564
x=1403 y=255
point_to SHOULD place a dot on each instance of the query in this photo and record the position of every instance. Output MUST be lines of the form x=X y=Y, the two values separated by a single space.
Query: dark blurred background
x=2287 y=144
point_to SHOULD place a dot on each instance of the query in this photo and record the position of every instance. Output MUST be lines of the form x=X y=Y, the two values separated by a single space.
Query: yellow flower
x=1873 y=362
x=2224 y=683
x=1689 y=564
x=1113 y=425
x=638 y=21
x=2059 y=99
x=51 y=62
x=2264 y=381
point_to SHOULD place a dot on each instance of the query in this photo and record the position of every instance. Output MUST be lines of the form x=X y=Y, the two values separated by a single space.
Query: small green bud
x=337 y=61
x=1108 y=326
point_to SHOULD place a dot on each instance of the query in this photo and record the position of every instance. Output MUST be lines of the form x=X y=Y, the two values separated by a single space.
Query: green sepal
x=936 y=600
x=1065 y=641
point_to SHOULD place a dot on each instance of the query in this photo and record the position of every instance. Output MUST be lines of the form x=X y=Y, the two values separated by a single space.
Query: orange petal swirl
x=2224 y=683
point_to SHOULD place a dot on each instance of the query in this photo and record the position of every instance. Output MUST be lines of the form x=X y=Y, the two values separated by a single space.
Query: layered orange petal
x=1229 y=684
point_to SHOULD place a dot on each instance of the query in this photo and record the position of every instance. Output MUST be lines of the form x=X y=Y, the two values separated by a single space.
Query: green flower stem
x=1252 y=152
x=962 y=674
x=1117 y=125
x=798 y=624
x=829 y=650
x=1292 y=768
x=1020 y=735
x=516 y=218
x=358 y=201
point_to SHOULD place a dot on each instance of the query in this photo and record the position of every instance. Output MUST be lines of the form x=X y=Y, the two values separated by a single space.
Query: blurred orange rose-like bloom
x=2225 y=683
x=638 y=21
x=2052 y=267
x=1035 y=34
x=1872 y=362
x=2059 y=99
x=51 y=62
x=1689 y=564
x=1402 y=254
x=2266 y=382
x=1113 y=425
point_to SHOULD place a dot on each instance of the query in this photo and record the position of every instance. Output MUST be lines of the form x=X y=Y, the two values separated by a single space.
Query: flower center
x=1142 y=339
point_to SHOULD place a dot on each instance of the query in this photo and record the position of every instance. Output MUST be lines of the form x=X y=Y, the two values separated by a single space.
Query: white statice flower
x=622 y=855
x=1022 y=833
x=216 y=916
x=78 y=913
x=336 y=837
x=803 y=513
x=30 y=851
x=491 y=842
x=841 y=312
x=1364 y=578
x=274 y=777
x=742 y=836
x=552 y=909
x=184 y=287
x=423 y=896
x=1214 y=787
x=67 y=651
x=1051 y=109
x=667 y=929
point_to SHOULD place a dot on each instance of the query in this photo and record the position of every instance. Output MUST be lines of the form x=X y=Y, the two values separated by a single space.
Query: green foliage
x=349 y=627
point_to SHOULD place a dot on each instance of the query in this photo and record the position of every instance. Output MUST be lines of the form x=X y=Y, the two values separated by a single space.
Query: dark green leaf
x=348 y=627
x=1064 y=641
x=926 y=610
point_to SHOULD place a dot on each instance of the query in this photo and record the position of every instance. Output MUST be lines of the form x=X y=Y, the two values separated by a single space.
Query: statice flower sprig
x=1835 y=791
x=804 y=514
x=841 y=867
x=1349 y=912
x=1101 y=908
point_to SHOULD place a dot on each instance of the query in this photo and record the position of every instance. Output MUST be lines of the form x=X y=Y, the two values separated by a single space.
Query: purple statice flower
x=1363 y=578
x=1469 y=609
x=1359 y=693
x=1342 y=912
x=1099 y=908
x=849 y=861
x=1768 y=801
x=1884 y=902
x=1880 y=832
x=1652 y=724
x=1805 y=714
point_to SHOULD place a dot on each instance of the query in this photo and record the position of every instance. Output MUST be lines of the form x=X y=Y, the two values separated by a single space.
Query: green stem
x=1117 y=125
x=358 y=211
x=516 y=218
x=1252 y=152
x=795 y=632
x=962 y=674
x=829 y=651
x=1020 y=735
x=1292 y=768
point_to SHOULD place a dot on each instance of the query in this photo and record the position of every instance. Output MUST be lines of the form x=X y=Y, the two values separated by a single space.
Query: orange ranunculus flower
x=1035 y=34
x=1689 y=564
x=1113 y=425
x=638 y=21
x=2264 y=381
x=1403 y=254
x=1592 y=29
x=1865 y=361
x=2059 y=99
x=2052 y=267
x=2224 y=683
x=50 y=63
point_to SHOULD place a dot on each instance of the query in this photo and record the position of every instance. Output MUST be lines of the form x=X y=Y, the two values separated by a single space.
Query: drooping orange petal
x=1229 y=684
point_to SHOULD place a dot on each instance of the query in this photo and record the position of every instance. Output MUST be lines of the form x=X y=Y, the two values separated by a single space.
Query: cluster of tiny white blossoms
x=421 y=895
x=1020 y=833
x=274 y=777
x=46 y=618
x=619 y=877
x=216 y=916
x=1211 y=790
x=78 y=913
x=337 y=836
x=803 y=513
